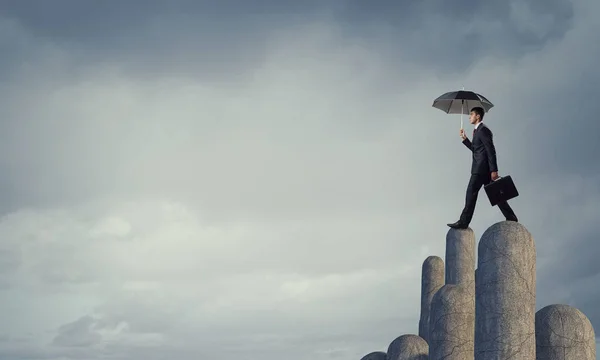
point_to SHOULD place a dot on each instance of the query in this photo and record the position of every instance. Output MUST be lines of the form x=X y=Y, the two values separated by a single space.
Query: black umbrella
x=461 y=102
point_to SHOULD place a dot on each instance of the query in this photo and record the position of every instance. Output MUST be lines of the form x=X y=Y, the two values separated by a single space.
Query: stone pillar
x=408 y=347
x=563 y=332
x=460 y=257
x=451 y=324
x=377 y=355
x=505 y=293
x=431 y=281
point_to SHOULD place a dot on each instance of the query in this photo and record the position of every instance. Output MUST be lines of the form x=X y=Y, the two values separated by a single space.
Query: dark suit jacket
x=484 y=152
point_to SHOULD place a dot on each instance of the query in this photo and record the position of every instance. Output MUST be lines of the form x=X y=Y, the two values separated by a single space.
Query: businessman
x=484 y=168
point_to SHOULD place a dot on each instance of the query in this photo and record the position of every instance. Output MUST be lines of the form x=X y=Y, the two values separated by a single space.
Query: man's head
x=476 y=115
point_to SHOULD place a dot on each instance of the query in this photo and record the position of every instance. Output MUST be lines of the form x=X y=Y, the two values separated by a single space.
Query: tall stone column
x=432 y=280
x=505 y=294
x=460 y=257
x=452 y=319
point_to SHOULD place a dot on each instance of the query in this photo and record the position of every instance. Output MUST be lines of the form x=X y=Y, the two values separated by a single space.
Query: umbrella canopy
x=461 y=102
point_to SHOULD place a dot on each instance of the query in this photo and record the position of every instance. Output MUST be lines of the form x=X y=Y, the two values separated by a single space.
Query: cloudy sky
x=263 y=179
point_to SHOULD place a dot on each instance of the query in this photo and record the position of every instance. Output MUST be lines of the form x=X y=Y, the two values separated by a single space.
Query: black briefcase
x=501 y=190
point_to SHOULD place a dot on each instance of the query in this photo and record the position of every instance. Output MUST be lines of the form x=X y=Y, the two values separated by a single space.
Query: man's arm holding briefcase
x=490 y=149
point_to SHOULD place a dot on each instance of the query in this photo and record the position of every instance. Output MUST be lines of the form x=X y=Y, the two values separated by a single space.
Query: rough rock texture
x=408 y=347
x=460 y=257
x=460 y=270
x=505 y=294
x=377 y=355
x=451 y=325
x=563 y=332
x=432 y=280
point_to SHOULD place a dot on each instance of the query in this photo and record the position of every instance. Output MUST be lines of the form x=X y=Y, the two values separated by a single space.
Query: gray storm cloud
x=177 y=188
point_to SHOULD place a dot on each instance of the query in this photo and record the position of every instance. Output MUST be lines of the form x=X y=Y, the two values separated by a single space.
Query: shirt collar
x=479 y=123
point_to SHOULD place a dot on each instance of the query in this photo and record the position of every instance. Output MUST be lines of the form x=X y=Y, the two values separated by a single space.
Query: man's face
x=473 y=118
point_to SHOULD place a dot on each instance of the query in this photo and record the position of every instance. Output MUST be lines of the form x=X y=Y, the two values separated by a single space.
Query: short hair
x=479 y=111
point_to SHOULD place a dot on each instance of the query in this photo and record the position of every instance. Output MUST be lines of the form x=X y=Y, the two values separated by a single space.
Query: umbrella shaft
x=461 y=113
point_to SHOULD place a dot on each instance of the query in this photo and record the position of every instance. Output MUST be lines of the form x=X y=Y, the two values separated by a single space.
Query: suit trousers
x=476 y=182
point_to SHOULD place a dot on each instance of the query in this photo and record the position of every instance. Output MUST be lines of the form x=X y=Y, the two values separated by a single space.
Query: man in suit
x=484 y=168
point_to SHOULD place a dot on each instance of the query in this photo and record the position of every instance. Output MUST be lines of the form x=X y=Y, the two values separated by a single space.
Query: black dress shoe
x=513 y=219
x=458 y=225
